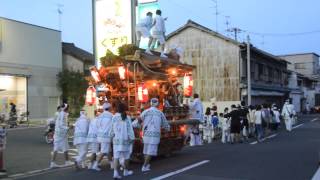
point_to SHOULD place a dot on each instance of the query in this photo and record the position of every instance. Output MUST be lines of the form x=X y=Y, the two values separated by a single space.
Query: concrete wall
x=217 y=64
x=306 y=64
x=36 y=52
x=72 y=64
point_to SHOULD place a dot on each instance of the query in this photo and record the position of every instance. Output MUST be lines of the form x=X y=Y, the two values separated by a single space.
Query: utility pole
x=236 y=31
x=216 y=13
x=248 y=70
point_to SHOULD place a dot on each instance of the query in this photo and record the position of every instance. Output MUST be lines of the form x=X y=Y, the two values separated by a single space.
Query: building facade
x=220 y=62
x=76 y=59
x=305 y=70
x=269 y=77
x=30 y=59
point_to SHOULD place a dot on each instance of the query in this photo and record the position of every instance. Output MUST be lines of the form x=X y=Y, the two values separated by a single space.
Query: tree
x=73 y=86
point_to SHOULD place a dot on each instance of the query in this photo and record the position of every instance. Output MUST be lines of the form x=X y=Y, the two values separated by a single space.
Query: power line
x=284 y=34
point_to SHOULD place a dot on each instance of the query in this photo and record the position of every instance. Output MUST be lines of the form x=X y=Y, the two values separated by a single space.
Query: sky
x=277 y=26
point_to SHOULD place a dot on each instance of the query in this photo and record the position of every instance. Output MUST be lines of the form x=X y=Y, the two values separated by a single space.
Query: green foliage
x=127 y=49
x=111 y=59
x=73 y=86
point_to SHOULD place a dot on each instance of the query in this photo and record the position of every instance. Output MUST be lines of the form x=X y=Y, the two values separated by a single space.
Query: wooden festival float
x=135 y=79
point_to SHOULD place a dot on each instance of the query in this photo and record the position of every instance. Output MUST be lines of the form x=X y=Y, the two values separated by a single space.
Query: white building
x=30 y=59
x=305 y=69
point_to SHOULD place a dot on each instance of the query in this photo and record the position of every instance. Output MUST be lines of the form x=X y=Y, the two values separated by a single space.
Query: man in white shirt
x=143 y=30
x=80 y=138
x=60 y=142
x=196 y=109
x=288 y=114
x=153 y=120
x=158 y=32
x=104 y=124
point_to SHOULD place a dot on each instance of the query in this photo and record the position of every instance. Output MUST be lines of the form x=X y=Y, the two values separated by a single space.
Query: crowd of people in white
x=98 y=134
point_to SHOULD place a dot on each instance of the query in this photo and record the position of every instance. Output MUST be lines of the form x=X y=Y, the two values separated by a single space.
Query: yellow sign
x=113 y=25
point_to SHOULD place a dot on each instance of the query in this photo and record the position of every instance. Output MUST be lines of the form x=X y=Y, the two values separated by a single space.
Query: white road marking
x=317 y=175
x=181 y=170
x=16 y=129
x=37 y=172
x=298 y=126
x=269 y=137
x=315 y=119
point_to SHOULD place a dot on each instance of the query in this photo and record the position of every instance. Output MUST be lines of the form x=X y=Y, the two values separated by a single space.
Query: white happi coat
x=122 y=133
x=287 y=110
x=93 y=131
x=144 y=26
x=196 y=109
x=104 y=124
x=81 y=130
x=153 y=121
x=159 y=28
x=61 y=128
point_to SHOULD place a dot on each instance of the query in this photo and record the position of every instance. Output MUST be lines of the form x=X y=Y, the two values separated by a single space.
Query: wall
x=217 y=64
x=72 y=64
x=309 y=63
x=34 y=52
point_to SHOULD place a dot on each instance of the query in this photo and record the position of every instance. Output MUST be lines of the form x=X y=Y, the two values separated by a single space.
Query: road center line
x=269 y=137
x=180 y=170
x=315 y=119
x=316 y=175
x=298 y=126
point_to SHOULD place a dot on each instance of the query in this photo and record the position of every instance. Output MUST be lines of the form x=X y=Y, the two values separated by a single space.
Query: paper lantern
x=187 y=85
x=122 y=72
x=91 y=96
x=95 y=74
x=143 y=94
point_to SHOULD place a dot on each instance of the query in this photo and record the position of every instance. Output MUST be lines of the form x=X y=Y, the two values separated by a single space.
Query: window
x=270 y=74
x=260 y=71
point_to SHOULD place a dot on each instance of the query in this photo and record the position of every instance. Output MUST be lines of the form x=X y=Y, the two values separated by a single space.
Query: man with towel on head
x=153 y=120
x=60 y=142
x=80 y=139
x=104 y=124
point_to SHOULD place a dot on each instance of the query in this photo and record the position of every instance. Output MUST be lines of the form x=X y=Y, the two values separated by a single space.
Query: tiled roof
x=71 y=49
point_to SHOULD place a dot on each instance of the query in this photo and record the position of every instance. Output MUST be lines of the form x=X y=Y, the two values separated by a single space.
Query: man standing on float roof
x=158 y=32
x=143 y=30
x=153 y=120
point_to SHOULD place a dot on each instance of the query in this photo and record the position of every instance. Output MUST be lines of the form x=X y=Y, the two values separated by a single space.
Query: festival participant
x=235 y=127
x=251 y=118
x=244 y=112
x=196 y=109
x=93 y=145
x=104 y=124
x=143 y=30
x=153 y=120
x=288 y=114
x=207 y=126
x=158 y=31
x=258 y=123
x=60 y=142
x=80 y=139
x=123 y=138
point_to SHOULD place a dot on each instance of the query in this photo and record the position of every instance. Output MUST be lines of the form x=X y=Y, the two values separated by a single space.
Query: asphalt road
x=284 y=156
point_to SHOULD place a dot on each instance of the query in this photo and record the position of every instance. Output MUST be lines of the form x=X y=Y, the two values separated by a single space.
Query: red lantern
x=187 y=85
x=95 y=74
x=122 y=72
x=143 y=94
x=91 y=96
